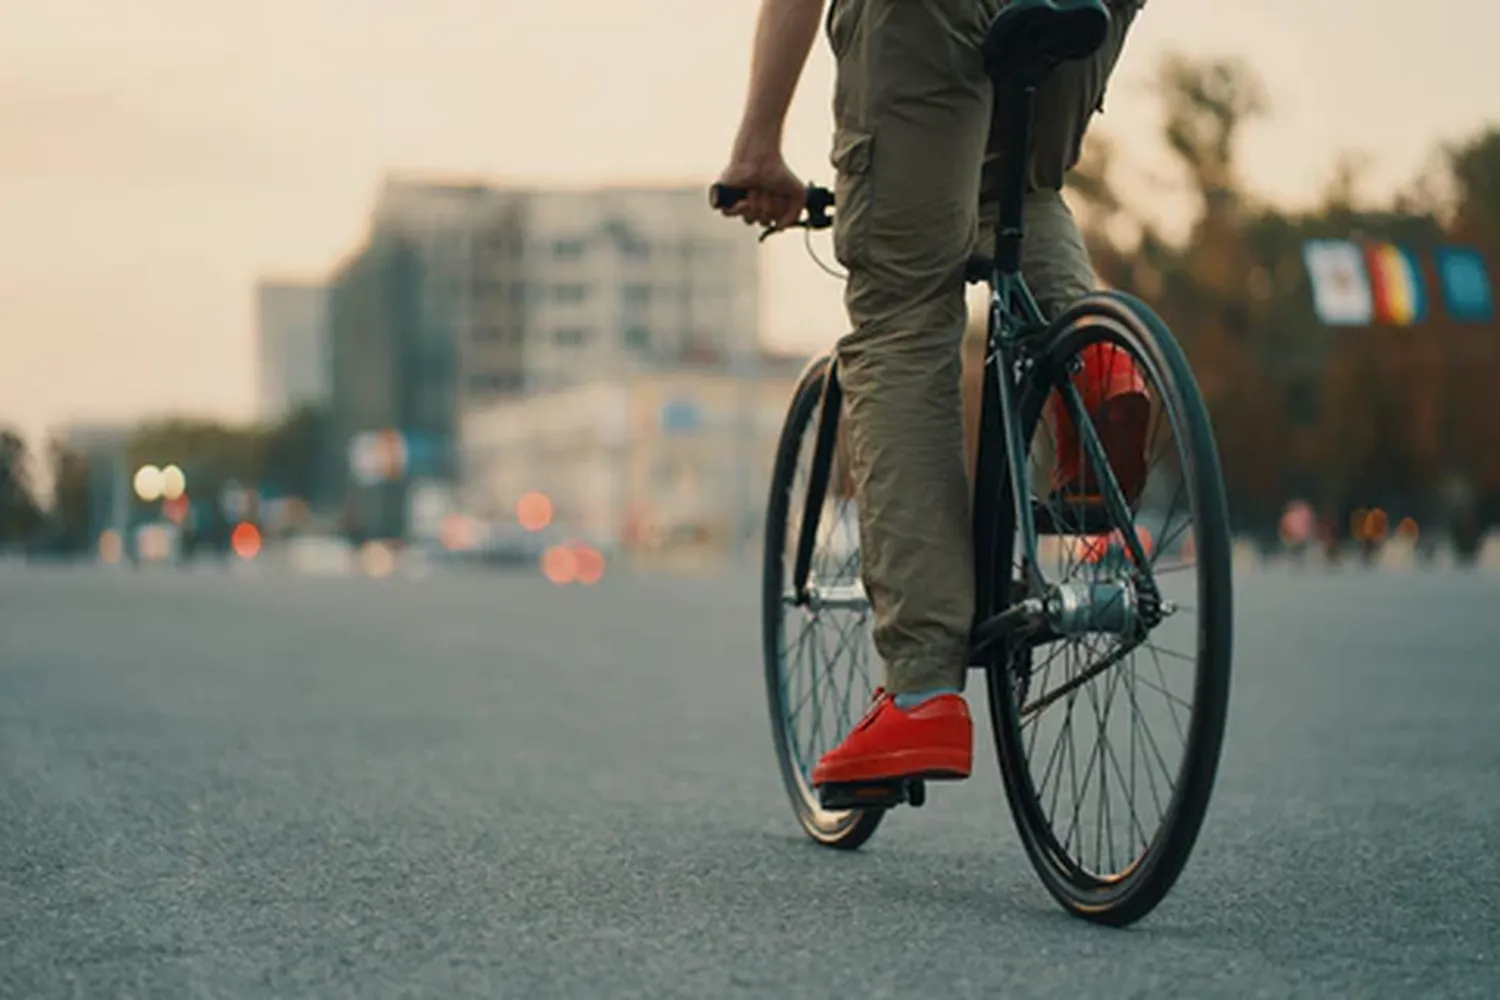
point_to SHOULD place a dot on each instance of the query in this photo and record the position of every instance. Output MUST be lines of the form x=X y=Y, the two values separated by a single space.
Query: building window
x=637 y=338
x=637 y=296
x=567 y=249
x=570 y=336
x=571 y=292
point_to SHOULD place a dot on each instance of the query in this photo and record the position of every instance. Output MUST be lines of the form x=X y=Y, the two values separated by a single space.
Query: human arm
x=784 y=35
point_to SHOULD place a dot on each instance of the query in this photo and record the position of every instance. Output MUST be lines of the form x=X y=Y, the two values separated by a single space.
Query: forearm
x=784 y=35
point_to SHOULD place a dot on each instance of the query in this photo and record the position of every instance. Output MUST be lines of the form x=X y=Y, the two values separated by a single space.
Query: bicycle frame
x=1017 y=329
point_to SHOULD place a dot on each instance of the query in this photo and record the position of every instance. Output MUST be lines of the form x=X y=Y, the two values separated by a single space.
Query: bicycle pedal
x=873 y=794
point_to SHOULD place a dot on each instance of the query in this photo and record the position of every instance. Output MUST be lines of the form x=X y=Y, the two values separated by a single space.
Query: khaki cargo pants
x=918 y=171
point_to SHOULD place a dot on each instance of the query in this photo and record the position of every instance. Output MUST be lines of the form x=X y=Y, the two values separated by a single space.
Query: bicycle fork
x=829 y=408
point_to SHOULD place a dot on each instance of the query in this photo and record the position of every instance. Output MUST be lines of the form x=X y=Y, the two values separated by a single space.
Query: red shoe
x=934 y=740
x=1115 y=396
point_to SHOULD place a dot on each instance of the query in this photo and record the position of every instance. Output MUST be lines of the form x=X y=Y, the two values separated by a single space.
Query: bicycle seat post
x=1015 y=97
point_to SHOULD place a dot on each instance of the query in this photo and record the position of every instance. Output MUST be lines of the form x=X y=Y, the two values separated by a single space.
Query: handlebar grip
x=722 y=196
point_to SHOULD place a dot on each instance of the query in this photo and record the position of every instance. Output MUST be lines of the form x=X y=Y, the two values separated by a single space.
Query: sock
x=911 y=699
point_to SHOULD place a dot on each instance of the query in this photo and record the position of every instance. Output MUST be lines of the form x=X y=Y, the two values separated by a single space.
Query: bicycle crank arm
x=1029 y=614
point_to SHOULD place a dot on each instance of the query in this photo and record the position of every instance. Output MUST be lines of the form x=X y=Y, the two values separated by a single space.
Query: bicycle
x=1120 y=597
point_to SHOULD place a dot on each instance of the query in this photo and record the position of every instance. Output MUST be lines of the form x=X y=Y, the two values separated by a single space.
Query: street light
x=148 y=483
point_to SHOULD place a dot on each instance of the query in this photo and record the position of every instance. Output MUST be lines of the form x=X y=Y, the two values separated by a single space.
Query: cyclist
x=917 y=175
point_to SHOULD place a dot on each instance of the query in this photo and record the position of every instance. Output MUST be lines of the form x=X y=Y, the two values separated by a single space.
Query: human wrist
x=758 y=139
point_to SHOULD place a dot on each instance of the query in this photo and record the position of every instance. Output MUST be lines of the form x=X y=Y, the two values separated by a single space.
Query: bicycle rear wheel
x=1110 y=828
x=818 y=658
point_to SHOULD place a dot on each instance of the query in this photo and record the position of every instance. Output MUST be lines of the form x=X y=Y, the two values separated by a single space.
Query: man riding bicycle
x=918 y=171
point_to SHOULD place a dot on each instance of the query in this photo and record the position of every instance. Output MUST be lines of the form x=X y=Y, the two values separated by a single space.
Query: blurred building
x=101 y=449
x=374 y=335
x=633 y=279
x=292 y=356
x=648 y=461
x=466 y=295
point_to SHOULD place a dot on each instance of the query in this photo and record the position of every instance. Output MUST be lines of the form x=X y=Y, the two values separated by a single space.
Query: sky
x=158 y=156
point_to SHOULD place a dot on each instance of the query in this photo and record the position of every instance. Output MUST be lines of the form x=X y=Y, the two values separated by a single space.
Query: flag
x=1396 y=286
x=1465 y=285
x=1341 y=286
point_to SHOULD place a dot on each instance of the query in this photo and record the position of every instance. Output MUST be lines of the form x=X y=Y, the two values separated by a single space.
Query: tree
x=1343 y=192
x=70 y=498
x=1475 y=168
x=211 y=453
x=19 y=513
x=292 y=452
x=1208 y=102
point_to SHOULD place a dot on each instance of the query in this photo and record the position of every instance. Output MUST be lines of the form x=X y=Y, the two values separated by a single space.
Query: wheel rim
x=824 y=653
x=1105 y=749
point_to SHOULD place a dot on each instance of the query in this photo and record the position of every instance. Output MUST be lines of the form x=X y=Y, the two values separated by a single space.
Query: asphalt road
x=271 y=786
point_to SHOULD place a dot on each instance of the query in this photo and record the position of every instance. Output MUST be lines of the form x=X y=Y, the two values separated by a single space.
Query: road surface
x=264 y=785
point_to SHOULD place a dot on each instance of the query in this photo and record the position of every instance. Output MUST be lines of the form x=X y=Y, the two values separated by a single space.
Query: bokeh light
x=110 y=547
x=590 y=565
x=458 y=533
x=1297 y=524
x=153 y=543
x=560 y=564
x=148 y=483
x=173 y=482
x=175 y=509
x=377 y=560
x=534 y=511
x=245 y=540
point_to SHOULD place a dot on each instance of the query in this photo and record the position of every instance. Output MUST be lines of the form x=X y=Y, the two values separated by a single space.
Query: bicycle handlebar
x=819 y=200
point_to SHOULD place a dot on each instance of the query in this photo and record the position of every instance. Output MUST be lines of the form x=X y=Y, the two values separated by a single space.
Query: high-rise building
x=546 y=288
x=374 y=325
x=292 y=348
x=629 y=278
x=504 y=291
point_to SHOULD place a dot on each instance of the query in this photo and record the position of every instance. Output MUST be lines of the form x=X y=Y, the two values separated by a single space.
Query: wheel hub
x=1108 y=606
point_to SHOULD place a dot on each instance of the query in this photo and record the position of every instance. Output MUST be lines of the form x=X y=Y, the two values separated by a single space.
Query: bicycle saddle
x=1046 y=31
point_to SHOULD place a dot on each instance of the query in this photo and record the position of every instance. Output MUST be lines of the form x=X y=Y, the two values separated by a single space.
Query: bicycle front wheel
x=818 y=656
x=1109 y=736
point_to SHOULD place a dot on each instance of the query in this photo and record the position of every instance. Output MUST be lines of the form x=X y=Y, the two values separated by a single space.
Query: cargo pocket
x=839 y=26
x=853 y=150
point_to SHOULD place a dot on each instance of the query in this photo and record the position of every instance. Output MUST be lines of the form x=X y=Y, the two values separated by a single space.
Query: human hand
x=776 y=195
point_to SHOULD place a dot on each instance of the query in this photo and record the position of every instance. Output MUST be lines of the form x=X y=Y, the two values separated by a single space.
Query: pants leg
x=912 y=109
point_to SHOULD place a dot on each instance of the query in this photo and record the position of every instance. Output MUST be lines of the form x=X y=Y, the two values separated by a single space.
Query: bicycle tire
x=1127 y=898
x=845 y=829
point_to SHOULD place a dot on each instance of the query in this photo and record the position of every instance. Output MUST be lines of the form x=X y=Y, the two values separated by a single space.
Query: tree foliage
x=1346 y=417
x=20 y=514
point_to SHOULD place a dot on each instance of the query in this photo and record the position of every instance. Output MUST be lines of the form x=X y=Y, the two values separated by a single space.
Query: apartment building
x=505 y=291
x=545 y=288
x=634 y=278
